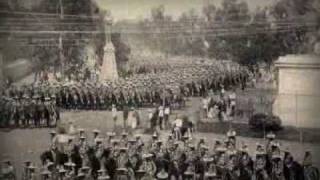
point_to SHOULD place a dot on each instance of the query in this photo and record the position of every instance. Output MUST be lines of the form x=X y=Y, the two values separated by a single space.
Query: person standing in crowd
x=205 y=105
x=152 y=119
x=160 y=117
x=232 y=103
x=7 y=171
x=125 y=115
x=292 y=169
x=166 y=116
x=114 y=116
x=310 y=171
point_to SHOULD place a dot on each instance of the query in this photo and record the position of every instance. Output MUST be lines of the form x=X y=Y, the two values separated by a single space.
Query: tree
x=298 y=13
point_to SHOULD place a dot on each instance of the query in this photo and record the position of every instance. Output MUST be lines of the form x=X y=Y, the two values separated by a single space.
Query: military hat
x=231 y=133
x=123 y=149
x=221 y=149
x=53 y=132
x=25 y=96
x=155 y=135
x=105 y=177
x=276 y=157
x=99 y=140
x=132 y=141
x=260 y=153
x=208 y=159
x=124 y=133
x=122 y=170
x=101 y=170
x=27 y=162
x=191 y=146
x=47 y=98
x=62 y=170
x=111 y=134
x=204 y=147
x=114 y=141
x=275 y=144
x=210 y=175
x=259 y=145
x=36 y=96
x=244 y=148
x=271 y=135
x=50 y=164
x=231 y=152
x=189 y=174
x=82 y=137
x=185 y=137
x=146 y=156
x=162 y=175
x=140 y=172
x=81 y=175
x=31 y=167
x=96 y=131
x=69 y=164
x=85 y=168
x=45 y=172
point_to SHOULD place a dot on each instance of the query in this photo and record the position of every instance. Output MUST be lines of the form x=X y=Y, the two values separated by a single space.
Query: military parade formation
x=177 y=155
x=107 y=155
x=39 y=105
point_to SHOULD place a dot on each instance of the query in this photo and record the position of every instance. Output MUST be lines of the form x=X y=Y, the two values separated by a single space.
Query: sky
x=135 y=9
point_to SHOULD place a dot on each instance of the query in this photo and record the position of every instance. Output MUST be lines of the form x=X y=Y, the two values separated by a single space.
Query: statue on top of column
x=109 y=71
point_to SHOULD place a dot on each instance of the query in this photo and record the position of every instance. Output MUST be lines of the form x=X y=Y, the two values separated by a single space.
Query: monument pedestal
x=109 y=69
x=298 y=99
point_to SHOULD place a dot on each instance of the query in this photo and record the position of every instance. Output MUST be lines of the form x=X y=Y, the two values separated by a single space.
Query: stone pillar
x=109 y=69
x=298 y=99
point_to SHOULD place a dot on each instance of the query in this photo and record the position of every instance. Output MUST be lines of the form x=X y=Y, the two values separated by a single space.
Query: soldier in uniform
x=292 y=169
x=123 y=158
x=277 y=167
x=7 y=171
x=47 y=112
x=114 y=115
x=25 y=173
x=148 y=166
x=310 y=172
x=162 y=175
x=260 y=170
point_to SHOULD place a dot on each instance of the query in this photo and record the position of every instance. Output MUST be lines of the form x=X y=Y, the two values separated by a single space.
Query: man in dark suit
x=53 y=155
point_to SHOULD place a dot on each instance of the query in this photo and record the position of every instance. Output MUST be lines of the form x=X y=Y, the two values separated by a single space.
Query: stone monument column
x=298 y=99
x=109 y=69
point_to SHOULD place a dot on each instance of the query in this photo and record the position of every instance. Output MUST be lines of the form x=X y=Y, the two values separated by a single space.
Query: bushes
x=265 y=122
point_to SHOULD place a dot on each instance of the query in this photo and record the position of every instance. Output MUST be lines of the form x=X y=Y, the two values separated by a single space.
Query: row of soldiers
x=26 y=112
x=127 y=158
x=168 y=88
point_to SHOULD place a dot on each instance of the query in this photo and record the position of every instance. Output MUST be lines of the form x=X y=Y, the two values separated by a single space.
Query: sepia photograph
x=159 y=89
